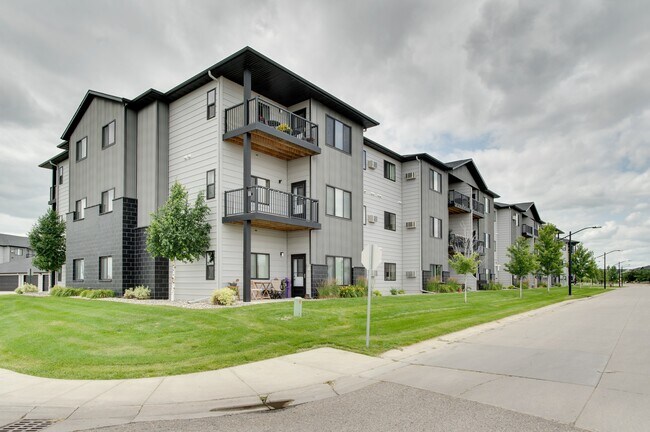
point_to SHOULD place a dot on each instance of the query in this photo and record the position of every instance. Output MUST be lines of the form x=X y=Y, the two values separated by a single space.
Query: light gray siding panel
x=412 y=238
x=146 y=163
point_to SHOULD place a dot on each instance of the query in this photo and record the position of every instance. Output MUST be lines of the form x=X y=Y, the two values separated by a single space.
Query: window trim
x=60 y=175
x=343 y=210
x=333 y=142
x=387 y=216
x=266 y=196
x=364 y=156
x=102 y=211
x=208 y=265
x=255 y=265
x=83 y=209
x=387 y=172
x=365 y=215
x=77 y=158
x=433 y=175
x=75 y=276
x=101 y=268
x=387 y=272
x=109 y=144
x=344 y=258
x=432 y=227
x=209 y=196
x=208 y=104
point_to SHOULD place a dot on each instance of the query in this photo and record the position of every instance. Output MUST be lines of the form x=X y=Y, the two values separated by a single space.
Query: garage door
x=46 y=282
x=8 y=283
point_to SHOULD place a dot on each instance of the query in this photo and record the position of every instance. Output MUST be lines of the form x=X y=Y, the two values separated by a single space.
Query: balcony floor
x=268 y=140
x=262 y=220
x=457 y=210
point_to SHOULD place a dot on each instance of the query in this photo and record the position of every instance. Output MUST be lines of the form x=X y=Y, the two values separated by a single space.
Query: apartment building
x=514 y=221
x=16 y=266
x=278 y=159
x=420 y=211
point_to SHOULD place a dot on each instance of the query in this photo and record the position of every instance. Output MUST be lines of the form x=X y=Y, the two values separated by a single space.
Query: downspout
x=417 y=158
x=211 y=76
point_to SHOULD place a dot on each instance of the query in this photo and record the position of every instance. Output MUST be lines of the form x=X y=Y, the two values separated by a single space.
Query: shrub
x=223 y=296
x=524 y=285
x=329 y=289
x=542 y=285
x=376 y=293
x=19 y=290
x=447 y=288
x=59 y=291
x=351 y=291
x=453 y=285
x=493 y=286
x=97 y=293
x=435 y=285
x=396 y=291
x=26 y=288
x=139 y=293
x=362 y=281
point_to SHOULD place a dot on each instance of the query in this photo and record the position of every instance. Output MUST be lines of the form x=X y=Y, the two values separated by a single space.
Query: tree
x=179 y=231
x=548 y=251
x=522 y=261
x=612 y=275
x=47 y=239
x=583 y=264
x=464 y=265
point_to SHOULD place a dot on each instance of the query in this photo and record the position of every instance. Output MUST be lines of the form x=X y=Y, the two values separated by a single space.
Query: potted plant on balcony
x=283 y=127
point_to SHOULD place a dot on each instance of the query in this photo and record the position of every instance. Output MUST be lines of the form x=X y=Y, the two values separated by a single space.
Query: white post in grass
x=370 y=258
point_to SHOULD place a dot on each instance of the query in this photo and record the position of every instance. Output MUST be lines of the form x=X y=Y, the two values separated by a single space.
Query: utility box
x=297 y=306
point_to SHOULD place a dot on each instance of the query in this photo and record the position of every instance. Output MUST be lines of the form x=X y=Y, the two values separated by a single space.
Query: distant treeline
x=637 y=275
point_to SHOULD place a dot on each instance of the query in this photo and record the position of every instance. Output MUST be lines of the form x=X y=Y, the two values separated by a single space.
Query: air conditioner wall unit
x=372 y=164
x=372 y=218
x=410 y=274
x=410 y=175
x=411 y=225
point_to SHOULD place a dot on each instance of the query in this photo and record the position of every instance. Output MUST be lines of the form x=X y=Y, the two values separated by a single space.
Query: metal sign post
x=370 y=258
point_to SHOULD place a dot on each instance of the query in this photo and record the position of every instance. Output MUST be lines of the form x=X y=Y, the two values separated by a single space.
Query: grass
x=74 y=338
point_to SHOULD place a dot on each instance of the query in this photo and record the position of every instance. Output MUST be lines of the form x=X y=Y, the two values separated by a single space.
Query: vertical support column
x=247 y=198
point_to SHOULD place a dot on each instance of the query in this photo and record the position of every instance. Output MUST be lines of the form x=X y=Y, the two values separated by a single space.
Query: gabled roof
x=525 y=206
x=55 y=160
x=12 y=240
x=270 y=79
x=146 y=98
x=471 y=166
x=83 y=106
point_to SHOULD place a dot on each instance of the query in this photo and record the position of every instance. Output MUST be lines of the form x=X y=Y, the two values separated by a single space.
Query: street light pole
x=605 y=267
x=570 y=251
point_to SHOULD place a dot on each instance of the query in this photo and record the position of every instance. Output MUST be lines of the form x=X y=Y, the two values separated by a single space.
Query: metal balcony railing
x=457 y=242
x=527 y=230
x=264 y=112
x=479 y=247
x=478 y=206
x=459 y=200
x=271 y=202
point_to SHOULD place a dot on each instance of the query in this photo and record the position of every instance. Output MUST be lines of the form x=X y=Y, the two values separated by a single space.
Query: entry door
x=298 y=264
x=298 y=203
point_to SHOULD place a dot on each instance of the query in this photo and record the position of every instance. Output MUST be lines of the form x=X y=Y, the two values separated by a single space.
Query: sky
x=551 y=99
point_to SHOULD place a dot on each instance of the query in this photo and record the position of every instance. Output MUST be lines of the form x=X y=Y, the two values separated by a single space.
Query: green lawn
x=75 y=338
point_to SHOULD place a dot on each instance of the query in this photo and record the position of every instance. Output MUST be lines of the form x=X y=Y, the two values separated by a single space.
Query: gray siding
x=434 y=204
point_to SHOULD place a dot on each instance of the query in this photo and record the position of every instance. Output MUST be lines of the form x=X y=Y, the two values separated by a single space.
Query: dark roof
x=272 y=80
x=146 y=98
x=521 y=207
x=471 y=166
x=19 y=265
x=12 y=240
x=55 y=160
x=64 y=145
x=404 y=158
x=83 y=106
x=458 y=163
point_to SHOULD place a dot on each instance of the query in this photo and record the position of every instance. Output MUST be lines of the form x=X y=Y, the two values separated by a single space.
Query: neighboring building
x=278 y=158
x=420 y=210
x=514 y=221
x=16 y=266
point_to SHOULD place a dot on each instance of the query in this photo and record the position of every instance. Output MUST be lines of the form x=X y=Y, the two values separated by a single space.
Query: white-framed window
x=338 y=203
x=390 y=221
x=19 y=252
x=108 y=135
x=364 y=155
x=487 y=204
x=435 y=230
x=60 y=175
x=487 y=240
x=338 y=135
x=390 y=271
x=210 y=184
x=339 y=269
x=365 y=215
x=106 y=205
x=82 y=149
x=211 y=107
x=260 y=266
x=262 y=196
x=435 y=181
x=389 y=170
x=209 y=265
x=106 y=268
x=80 y=209
x=78 y=269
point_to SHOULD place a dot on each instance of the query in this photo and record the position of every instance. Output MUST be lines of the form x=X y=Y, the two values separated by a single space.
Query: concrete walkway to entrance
x=585 y=362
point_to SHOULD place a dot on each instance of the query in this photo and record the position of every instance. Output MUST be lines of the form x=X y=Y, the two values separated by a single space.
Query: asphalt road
x=380 y=407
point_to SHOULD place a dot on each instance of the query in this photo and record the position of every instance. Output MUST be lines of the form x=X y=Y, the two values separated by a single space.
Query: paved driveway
x=585 y=363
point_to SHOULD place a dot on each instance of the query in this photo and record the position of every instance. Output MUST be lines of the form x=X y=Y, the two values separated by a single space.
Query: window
x=108 y=135
x=436 y=270
x=19 y=252
x=389 y=171
x=209 y=265
x=60 y=175
x=107 y=201
x=390 y=221
x=365 y=159
x=435 y=181
x=82 y=149
x=212 y=104
x=338 y=135
x=516 y=219
x=435 y=230
x=261 y=195
x=390 y=271
x=487 y=240
x=260 y=266
x=78 y=270
x=339 y=269
x=365 y=215
x=210 y=181
x=487 y=204
x=106 y=268
x=339 y=202
x=80 y=209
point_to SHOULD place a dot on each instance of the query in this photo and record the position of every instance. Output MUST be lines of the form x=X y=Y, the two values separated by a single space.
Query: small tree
x=47 y=239
x=179 y=231
x=583 y=264
x=522 y=261
x=612 y=275
x=464 y=265
x=548 y=251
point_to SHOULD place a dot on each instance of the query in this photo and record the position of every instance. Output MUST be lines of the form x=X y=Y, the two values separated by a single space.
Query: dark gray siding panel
x=8 y=282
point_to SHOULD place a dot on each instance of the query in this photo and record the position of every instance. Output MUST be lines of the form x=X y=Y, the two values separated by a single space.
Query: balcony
x=458 y=203
x=527 y=231
x=479 y=247
x=270 y=208
x=52 y=195
x=478 y=209
x=457 y=243
x=274 y=130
